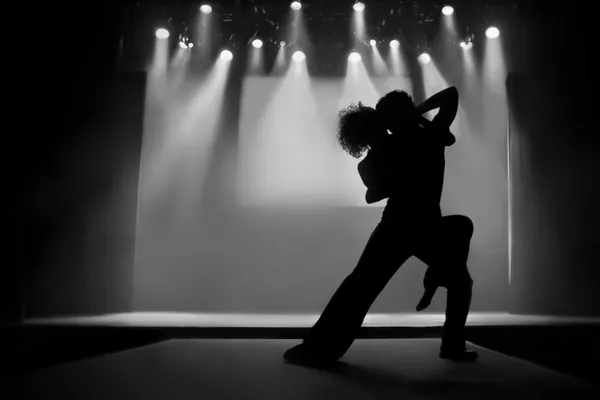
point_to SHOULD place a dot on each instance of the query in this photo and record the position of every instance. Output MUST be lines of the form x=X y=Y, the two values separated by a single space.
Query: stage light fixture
x=448 y=10
x=183 y=45
x=162 y=33
x=354 y=58
x=226 y=55
x=492 y=32
x=359 y=7
x=296 y=5
x=394 y=44
x=373 y=42
x=282 y=43
x=257 y=43
x=298 y=56
x=205 y=9
x=424 y=58
x=190 y=45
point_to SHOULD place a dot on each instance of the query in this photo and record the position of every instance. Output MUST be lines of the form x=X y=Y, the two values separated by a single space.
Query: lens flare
x=359 y=7
x=448 y=10
x=492 y=32
x=424 y=58
x=298 y=56
x=162 y=33
x=226 y=55
x=354 y=57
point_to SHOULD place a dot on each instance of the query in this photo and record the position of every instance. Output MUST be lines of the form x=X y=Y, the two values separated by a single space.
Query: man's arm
x=447 y=102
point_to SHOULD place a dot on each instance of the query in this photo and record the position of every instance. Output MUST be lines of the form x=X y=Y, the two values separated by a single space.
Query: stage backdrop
x=299 y=221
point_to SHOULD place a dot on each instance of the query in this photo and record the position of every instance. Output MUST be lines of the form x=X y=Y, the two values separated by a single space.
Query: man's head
x=397 y=111
x=359 y=128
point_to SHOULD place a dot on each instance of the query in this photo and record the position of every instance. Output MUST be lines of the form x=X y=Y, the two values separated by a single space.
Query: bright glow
x=394 y=44
x=182 y=45
x=191 y=45
x=424 y=58
x=448 y=10
x=359 y=7
x=373 y=42
x=282 y=43
x=465 y=45
x=226 y=55
x=162 y=33
x=296 y=5
x=354 y=57
x=492 y=32
x=205 y=9
x=298 y=56
x=257 y=43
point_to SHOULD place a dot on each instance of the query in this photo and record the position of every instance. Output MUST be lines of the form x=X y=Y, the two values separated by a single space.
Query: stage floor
x=215 y=369
x=213 y=320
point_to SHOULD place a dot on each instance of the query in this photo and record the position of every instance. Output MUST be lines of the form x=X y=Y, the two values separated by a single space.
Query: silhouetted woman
x=406 y=167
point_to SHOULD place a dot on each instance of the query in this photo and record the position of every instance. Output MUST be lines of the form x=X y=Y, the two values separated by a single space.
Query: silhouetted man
x=406 y=167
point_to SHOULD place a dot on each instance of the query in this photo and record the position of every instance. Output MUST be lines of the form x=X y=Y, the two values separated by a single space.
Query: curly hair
x=355 y=124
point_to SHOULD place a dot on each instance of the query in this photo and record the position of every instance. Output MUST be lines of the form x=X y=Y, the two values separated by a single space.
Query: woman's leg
x=338 y=325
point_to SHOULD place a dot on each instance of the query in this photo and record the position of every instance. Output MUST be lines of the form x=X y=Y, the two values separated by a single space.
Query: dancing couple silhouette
x=405 y=164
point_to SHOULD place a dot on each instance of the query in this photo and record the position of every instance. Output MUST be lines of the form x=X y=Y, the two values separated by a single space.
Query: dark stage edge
x=253 y=369
x=552 y=341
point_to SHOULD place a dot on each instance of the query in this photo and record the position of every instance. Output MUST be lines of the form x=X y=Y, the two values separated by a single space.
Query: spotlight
x=359 y=7
x=354 y=58
x=298 y=56
x=394 y=44
x=373 y=42
x=205 y=9
x=257 y=43
x=492 y=32
x=226 y=55
x=162 y=33
x=282 y=43
x=296 y=5
x=463 y=44
x=469 y=45
x=183 y=45
x=424 y=58
x=448 y=10
x=191 y=45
